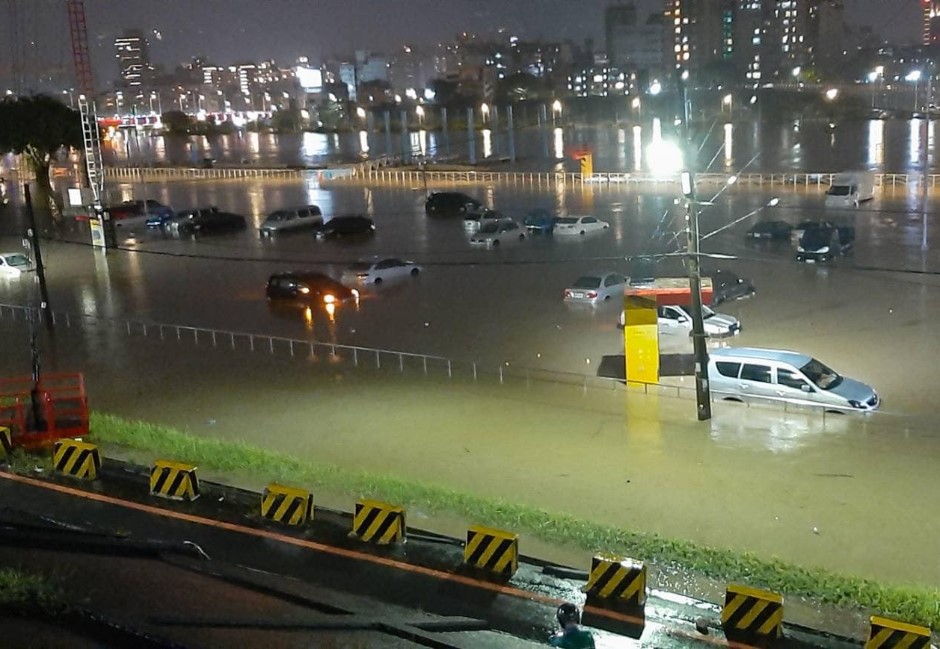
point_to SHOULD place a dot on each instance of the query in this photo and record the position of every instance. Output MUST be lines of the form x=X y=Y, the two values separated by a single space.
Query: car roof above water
x=755 y=353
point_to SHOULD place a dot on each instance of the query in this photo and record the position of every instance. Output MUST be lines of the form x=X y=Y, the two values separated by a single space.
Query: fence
x=388 y=359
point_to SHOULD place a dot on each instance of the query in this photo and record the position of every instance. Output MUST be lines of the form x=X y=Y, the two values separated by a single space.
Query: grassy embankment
x=912 y=604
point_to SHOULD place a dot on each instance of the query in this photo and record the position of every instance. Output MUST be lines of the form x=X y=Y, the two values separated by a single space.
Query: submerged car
x=727 y=286
x=596 y=288
x=539 y=220
x=450 y=204
x=751 y=374
x=308 y=289
x=475 y=218
x=350 y=225
x=376 y=272
x=823 y=242
x=579 y=225
x=167 y=219
x=14 y=264
x=290 y=219
x=202 y=222
x=494 y=233
x=671 y=319
x=770 y=230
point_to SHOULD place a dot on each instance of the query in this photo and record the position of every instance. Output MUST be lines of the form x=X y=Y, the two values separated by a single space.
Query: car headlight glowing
x=304 y=290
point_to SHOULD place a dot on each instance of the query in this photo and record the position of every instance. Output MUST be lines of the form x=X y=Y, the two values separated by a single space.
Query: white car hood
x=720 y=322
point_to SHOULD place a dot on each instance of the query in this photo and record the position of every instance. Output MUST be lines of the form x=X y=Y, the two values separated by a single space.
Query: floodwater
x=813 y=146
x=752 y=479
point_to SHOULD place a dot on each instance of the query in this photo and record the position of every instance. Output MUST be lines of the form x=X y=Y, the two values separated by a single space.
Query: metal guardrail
x=401 y=361
x=383 y=170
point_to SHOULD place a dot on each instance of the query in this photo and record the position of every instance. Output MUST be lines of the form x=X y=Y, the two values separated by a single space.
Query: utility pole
x=700 y=351
x=924 y=159
x=33 y=236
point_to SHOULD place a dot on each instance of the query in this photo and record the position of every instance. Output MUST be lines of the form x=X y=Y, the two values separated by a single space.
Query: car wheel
x=496 y=243
x=414 y=272
x=378 y=280
x=582 y=232
x=521 y=237
x=734 y=399
x=606 y=298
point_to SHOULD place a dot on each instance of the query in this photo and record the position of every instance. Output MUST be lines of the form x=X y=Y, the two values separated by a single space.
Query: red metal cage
x=62 y=409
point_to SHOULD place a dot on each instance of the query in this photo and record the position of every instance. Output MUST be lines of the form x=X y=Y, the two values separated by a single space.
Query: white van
x=850 y=188
x=292 y=218
x=751 y=374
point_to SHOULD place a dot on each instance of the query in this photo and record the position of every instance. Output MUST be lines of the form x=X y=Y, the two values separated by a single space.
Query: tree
x=38 y=127
x=289 y=120
x=176 y=121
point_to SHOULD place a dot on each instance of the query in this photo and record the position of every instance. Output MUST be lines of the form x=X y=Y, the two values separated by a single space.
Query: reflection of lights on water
x=423 y=141
x=253 y=142
x=657 y=130
x=363 y=142
x=256 y=205
x=487 y=143
x=331 y=311
x=637 y=148
x=314 y=144
x=369 y=200
x=622 y=147
x=561 y=195
x=308 y=318
x=729 y=142
x=915 y=141
x=559 y=143
x=876 y=133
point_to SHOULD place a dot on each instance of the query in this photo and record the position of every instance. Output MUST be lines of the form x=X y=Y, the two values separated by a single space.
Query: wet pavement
x=786 y=474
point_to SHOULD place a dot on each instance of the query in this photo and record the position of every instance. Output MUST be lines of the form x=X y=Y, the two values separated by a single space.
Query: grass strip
x=912 y=604
x=24 y=592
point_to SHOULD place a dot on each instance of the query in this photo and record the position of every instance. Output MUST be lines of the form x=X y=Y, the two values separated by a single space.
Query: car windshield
x=17 y=260
x=567 y=221
x=815 y=238
x=587 y=282
x=489 y=227
x=822 y=376
x=838 y=190
x=706 y=312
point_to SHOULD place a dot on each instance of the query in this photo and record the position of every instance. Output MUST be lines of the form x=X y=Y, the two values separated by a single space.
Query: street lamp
x=361 y=112
x=726 y=101
x=832 y=93
x=485 y=111
x=419 y=111
x=914 y=76
x=656 y=87
x=556 y=110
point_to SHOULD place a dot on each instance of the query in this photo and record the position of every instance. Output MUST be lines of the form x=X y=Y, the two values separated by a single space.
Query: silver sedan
x=376 y=272
x=494 y=233
x=596 y=288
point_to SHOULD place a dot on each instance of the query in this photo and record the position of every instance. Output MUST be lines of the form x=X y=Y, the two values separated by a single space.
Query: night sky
x=227 y=31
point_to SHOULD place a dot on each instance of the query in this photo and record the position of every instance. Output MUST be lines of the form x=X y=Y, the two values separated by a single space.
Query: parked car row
x=815 y=240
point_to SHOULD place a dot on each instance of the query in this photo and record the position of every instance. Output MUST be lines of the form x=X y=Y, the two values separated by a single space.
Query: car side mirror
x=806 y=388
x=683 y=319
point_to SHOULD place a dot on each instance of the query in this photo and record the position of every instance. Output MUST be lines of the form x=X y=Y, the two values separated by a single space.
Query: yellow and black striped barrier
x=76 y=459
x=286 y=505
x=887 y=634
x=616 y=582
x=173 y=480
x=378 y=522
x=752 y=613
x=491 y=550
x=6 y=441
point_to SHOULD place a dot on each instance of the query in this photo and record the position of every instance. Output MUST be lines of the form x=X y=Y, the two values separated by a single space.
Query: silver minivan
x=292 y=218
x=751 y=374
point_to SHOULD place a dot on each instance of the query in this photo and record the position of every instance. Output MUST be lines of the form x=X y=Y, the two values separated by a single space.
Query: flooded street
x=807 y=489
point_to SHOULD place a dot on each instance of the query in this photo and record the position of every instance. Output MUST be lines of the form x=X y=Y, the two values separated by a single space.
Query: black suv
x=308 y=288
x=346 y=226
x=450 y=204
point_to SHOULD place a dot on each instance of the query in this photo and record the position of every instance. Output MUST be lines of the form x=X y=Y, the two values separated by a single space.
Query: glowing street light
x=656 y=87
x=556 y=110
x=914 y=76
x=726 y=101
x=485 y=111
x=832 y=93
x=361 y=112
x=419 y=111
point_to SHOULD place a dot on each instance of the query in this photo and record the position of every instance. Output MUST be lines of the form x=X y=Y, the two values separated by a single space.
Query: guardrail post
x=355 y=357
x=291 y=346
x=401 y=362
x=271 y=343
x=450 y=374
x=500 y=374
x=213 y=338
x=378 y=359
x=251 y=342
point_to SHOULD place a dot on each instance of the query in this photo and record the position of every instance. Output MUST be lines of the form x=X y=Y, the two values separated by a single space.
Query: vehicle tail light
x=591 y=294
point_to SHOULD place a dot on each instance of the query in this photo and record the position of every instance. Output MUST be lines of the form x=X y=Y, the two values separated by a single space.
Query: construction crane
x=85 y=84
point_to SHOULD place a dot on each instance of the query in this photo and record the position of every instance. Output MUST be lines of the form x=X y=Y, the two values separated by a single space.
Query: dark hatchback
x=346 y=226
x=201 y=222
x=308 y=289
x=825 y=241
x=727 y=286
x=770 y=230
x=450 y=204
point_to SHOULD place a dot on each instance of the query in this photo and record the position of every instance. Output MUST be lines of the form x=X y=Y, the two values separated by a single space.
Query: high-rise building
x=132 y=52
x=698 y=32
x=931 y=22
x=633 y=45
x=619 y=30
x=825 y=35
x=927 y=9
